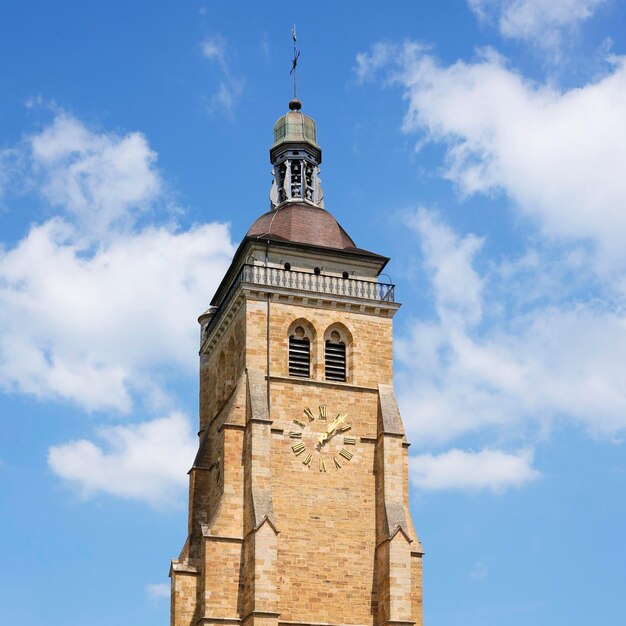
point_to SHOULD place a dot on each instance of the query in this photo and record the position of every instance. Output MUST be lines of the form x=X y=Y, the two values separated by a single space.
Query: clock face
x=321 y=441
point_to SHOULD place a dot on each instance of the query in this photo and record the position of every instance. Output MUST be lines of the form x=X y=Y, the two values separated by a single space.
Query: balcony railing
x=304 y=281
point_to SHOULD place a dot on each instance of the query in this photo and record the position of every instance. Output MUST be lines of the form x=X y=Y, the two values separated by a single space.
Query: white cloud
x=521 y=369
x=101 y=312
x=94 y=327
x=231 y=87
x=158 y=591
x=100 y=179
x=214 y=49
x=538 y=340
x=95 y=320
x=480 y=571
x=490 y=470
x=147 y=461
x=449 y=262
x=368 y=63
x=540 y=21
x=559 y=155
x=226 y=96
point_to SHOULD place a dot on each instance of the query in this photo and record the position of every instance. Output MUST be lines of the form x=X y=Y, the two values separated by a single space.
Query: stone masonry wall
x=281 y=538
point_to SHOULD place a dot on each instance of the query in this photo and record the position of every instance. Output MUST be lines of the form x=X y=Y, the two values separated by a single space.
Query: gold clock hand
x=340 y=419
x=324 y=436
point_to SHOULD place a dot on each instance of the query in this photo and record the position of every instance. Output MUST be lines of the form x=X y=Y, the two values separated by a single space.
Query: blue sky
x=479 y=143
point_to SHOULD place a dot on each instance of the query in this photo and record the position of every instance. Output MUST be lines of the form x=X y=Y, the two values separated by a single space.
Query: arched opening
x=301 y=349
x=337 y=350
x=299 y=354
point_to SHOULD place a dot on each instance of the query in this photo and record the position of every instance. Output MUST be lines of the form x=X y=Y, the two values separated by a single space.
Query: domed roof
x=302 y=223
x=296 y=223
x=295 y=128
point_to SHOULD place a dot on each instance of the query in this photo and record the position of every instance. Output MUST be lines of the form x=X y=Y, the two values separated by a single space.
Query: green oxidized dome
x=295 y=127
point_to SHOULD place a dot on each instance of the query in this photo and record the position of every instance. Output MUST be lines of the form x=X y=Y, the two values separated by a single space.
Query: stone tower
x=298 y=495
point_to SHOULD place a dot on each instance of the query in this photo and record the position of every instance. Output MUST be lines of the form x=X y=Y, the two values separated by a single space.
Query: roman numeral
x=345 y=454
x=337 y=463
x=301 y=424
x=345 y=428
x=296 y=435
x=350 y=441
x=298 y=448
x=309 y=414
x=307 y=460
x=322 y=465
x=323 y=411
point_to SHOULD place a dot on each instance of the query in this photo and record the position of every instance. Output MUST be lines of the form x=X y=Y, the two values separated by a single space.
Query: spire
x=295 y=154
x=294 y=65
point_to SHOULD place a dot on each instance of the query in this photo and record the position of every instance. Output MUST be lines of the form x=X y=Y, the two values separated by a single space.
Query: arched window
x=335 y=358
x=337 y=353
x=299 y=353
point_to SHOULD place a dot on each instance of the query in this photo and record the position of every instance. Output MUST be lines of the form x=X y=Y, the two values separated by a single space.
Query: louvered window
x=335 y=360
x=299 y=356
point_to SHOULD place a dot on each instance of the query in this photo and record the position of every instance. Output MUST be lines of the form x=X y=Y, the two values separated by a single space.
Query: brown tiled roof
x=302 y=223
x=297 y=225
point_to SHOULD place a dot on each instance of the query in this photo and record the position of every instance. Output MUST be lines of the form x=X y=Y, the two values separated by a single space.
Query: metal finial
x=294 y=61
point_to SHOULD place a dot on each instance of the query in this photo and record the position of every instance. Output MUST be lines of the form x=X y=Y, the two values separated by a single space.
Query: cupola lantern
x=296 y=157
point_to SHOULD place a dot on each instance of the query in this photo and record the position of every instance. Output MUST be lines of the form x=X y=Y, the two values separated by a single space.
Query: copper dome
x=302 y=223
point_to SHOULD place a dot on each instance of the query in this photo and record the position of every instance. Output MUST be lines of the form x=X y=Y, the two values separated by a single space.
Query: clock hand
x=340 y=419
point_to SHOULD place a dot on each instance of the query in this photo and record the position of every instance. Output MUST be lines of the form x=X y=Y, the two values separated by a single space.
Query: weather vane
x=294 y=62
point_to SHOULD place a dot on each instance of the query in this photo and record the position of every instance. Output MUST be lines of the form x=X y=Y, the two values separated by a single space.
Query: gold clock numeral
x=298 y=448
x=307 y=460
x=301 y=424
x=322 y=465
x=337 y=463
x=349 y=441
x=345 y=454
x=345 y=428
x=296 y=435
x=323 y=412
x=309 y=414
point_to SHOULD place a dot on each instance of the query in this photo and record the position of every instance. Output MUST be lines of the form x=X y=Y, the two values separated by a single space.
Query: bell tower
x=298 y=495
x=296 y=157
